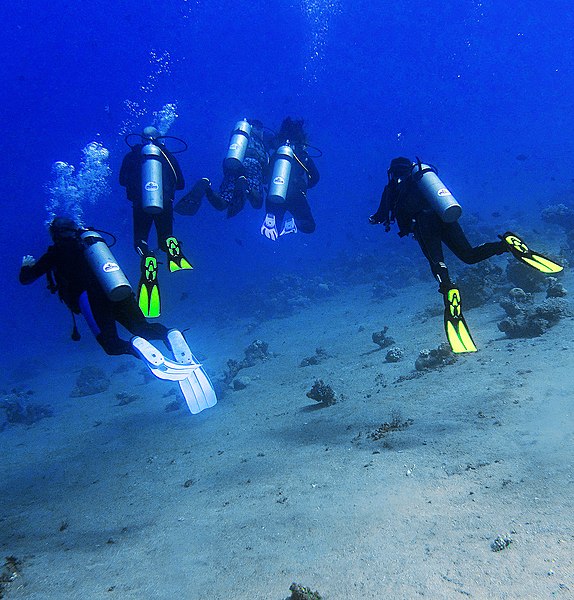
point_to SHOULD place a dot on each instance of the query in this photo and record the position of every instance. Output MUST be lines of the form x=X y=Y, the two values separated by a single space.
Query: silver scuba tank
x=152 y=179
x=438 y=195
x=104 y=265
x=281 y=174
x=237 y=145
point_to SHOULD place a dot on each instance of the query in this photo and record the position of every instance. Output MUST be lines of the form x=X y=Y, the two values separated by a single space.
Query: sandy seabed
x=107 y=501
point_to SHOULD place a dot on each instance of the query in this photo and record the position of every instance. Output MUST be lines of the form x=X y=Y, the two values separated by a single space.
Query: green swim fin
x=455 y=326
x=177 y=261
x=148 y=288
x=533 y=259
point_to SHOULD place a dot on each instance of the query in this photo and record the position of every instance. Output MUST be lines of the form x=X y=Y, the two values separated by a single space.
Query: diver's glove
x=377 y=219
x=269 y=228
x=28 y=261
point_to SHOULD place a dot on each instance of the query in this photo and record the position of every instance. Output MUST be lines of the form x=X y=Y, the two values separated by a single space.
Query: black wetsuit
x=300 y=180
x=82 y=293
x=404 y=203
x=131 y=178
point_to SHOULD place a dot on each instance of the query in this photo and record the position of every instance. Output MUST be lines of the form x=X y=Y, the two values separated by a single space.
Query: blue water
x=463 y=84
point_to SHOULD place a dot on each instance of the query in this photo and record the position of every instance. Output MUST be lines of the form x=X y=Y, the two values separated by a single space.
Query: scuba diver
x=291 y=173
x=421 y=204
x=243 y=173
x=151 y=175
x=80 y=267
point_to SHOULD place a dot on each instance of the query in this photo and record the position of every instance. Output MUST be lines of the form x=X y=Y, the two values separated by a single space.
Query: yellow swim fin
x=148 y=288
x=176 y=260
x=524 y=254
x=455 y=326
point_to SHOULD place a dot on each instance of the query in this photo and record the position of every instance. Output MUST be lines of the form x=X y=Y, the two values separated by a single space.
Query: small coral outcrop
x=257 y=351
x=19 y=410
x=90 y=381
x=319 y=356
x=299 y=592
x=434 y=359
x=525 y=319
x=322 y=393
x=382 y=339
x=394 y=354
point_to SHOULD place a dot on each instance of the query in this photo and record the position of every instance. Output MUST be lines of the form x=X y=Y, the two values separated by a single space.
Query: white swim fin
x=158 y=364
x=197 y=388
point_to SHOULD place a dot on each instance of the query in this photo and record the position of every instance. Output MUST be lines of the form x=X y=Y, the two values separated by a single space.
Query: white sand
x=285 y=491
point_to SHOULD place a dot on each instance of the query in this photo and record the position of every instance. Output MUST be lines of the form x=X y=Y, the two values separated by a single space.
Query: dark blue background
x=466 y=85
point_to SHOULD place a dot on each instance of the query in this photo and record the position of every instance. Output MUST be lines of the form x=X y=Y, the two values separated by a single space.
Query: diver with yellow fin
x=151 y=175
x=421 y=204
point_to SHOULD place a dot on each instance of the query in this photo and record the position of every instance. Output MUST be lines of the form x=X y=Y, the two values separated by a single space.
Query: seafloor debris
x=322 y=393
x=240 y=383
x=382 y=339
x=124 y=398
x=319 y=356
x=90 y=381
x=173 y=406
x=299 y=592
x=11 y=570
x=500 y=543
x=397 y=423
x=433 y=359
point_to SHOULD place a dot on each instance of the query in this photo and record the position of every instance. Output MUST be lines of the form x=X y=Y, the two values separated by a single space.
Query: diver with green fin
x=151 y=175
x=421 y=204
x=81 y=268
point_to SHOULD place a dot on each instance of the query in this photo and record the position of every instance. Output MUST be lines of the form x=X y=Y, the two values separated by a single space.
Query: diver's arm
x=32 y=269
x=180 y=181
x=382 y=214
x=129 y=167
x=312 y=173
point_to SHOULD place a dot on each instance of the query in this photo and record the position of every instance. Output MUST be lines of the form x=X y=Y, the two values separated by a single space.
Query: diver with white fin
x=421 y=204
x=151 y=175
x=81 y=268
x=291 y=173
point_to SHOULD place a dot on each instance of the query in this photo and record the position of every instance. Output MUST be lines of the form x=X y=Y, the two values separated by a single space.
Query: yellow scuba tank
x=281 y=174
x=436 y=193
x=237 y=145
x=104 y=265
x=152 y=178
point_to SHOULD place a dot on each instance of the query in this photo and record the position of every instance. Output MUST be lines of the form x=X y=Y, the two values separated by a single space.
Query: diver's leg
x=457 y=242
x=427 y=229
x=129 y=315
x=214 y=199
x=238 y=197
x=96 y=309
x=142 y=226
x=301 y=212
x=254 y=174
x=427 y=232
x=164 y=225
